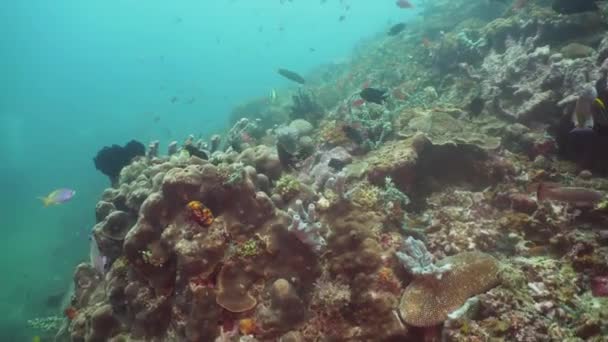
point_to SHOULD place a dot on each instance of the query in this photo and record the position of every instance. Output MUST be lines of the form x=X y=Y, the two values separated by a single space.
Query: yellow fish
x=36 y=339
x=57 y=197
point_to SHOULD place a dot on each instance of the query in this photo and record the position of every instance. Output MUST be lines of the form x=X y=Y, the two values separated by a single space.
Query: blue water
x=78 y=75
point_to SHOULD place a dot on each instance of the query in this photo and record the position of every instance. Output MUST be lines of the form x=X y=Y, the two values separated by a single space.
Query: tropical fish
x=583 y=111
x=291 y=76
x=70 y=312
x=373 y=95
x=358 y=102
x=200 y=214
x=58 y=196
x=404 y=4
x=193 y=151
x=273 y=96
x=573 y=195
x=396 y=29
x=426 y=43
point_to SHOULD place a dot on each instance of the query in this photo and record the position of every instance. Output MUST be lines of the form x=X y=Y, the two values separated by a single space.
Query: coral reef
x=330 y=218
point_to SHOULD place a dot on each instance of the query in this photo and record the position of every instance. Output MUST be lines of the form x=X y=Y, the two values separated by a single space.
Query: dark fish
x=336 y=164
x=373 y=95
x=196 y=152
x=353 y=134
x=476 y=106
x=312 y=49
x=342 y=17
x=291 y=76
x=174 y=99
x=288 y=161
x=574 y=6
x=396 y=29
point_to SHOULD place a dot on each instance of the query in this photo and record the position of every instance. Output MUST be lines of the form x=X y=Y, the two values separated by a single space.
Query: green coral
x=232 y=174
x=249 y=249
x=393 y=195
x=287 y=186
x=366 y=196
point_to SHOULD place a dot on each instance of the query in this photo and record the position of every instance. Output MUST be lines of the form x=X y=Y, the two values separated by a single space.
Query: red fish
x=358 y=102
x=404 y=4
x=70 y=312
x=599 y=286
x=573 y=195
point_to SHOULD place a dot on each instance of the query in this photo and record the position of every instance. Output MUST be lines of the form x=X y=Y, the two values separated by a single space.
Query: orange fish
x=70 y=312
x=426 y=42
x=200 y=214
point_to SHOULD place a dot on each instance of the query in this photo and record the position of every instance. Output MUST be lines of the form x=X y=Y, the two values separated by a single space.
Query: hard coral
x=427 y=301
x=287 y=187
x=234 y=284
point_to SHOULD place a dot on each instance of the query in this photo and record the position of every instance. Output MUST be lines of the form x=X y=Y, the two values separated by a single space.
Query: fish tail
x=46 y=201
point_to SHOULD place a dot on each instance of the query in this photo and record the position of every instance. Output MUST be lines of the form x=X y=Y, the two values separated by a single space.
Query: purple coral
x=306 y=227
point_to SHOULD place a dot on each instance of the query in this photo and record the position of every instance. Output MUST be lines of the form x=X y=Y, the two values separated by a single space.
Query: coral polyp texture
x=450 y=210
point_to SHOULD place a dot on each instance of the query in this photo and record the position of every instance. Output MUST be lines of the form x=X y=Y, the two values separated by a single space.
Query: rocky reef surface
x=324 y=217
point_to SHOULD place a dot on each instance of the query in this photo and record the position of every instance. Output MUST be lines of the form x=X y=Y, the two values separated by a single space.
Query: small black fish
x=336 y=164
x=342 y=17
x=353 y=134
x=373 y=95
x=288 y=161
x=476 y=106
x=196 y=152
x=291 y=76
x=574 y=6
x=396 y=29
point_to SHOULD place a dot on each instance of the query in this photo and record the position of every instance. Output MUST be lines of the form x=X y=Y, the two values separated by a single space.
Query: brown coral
x=427 y=301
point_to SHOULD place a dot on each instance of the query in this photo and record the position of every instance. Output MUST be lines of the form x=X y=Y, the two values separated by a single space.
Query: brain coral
x=427 y=301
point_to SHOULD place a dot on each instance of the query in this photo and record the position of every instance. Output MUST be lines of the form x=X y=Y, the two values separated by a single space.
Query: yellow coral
x=287 y=186
x=332 y=133
x=247 y=326
x=366 y=196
